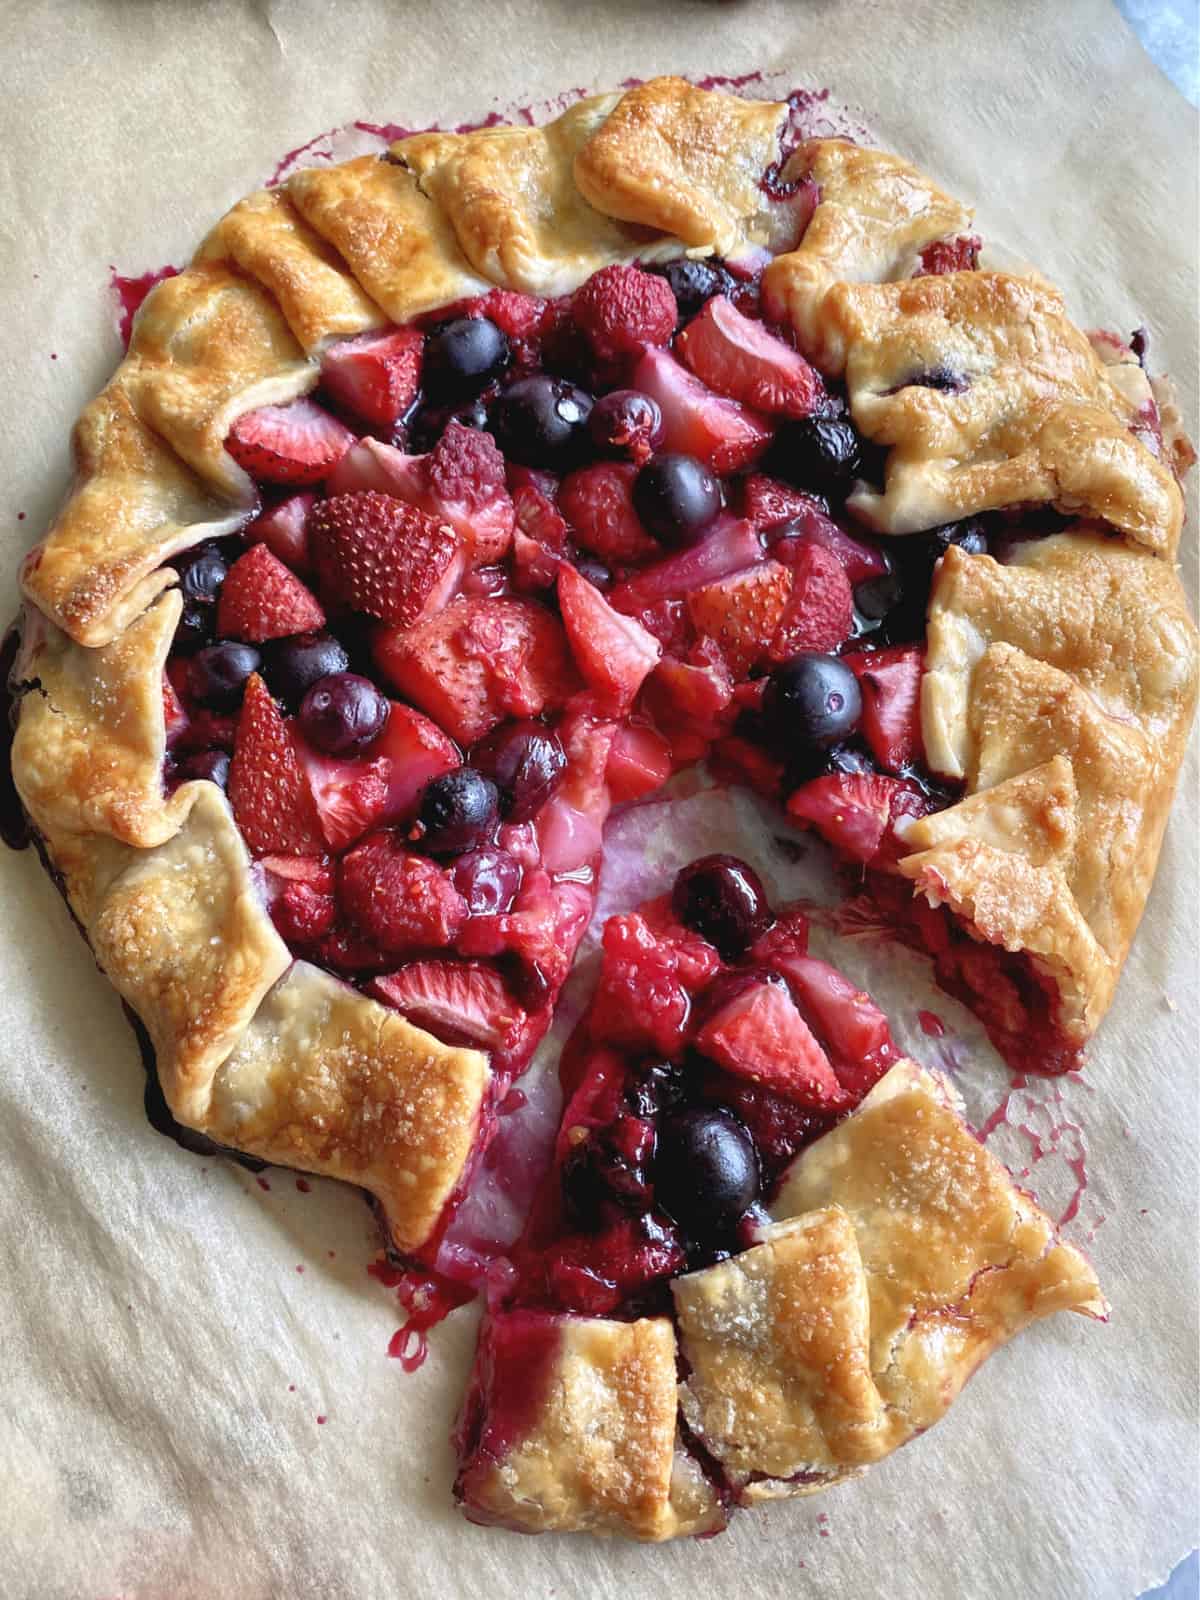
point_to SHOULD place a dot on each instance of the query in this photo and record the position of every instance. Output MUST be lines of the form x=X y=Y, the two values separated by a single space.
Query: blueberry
x=201 y=573
x=194 y=629
x=463 y=357
x=210 y=764
x=626 y=423
x=946 y=379
x=658 y=1087
x=525 y=760
x=217 y=675
x=596 y=573
x=676 y=498
x=723 y=900
x=292 y=666
x=542 y=421
x=342 y=713
x=488 y=880
x=970 y=536
x=695 y=282
x=705 y=1169
x=458 y=811
x=819 y=453
x=811 y=701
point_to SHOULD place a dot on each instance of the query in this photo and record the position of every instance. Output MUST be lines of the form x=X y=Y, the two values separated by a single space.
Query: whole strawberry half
x=377 y=375
x=384 y=557
x=271 y=801
x=297 y=443
x=261 y=599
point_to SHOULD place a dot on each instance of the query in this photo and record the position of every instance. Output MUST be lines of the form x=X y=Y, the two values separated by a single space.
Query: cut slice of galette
x=455 y=495
x=767 y=1254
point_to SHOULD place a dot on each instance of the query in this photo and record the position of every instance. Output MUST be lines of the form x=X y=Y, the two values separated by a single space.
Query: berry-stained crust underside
x=454 y=496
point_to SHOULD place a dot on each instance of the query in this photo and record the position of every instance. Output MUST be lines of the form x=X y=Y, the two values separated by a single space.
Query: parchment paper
x=195 y=1397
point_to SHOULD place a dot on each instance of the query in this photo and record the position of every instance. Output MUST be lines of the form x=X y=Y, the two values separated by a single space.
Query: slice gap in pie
x=758 y=1211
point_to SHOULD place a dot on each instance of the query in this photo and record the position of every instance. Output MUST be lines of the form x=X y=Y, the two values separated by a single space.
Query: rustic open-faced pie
x=455 y=495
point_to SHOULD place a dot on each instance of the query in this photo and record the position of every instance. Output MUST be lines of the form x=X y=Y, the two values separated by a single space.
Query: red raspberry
x=622 y=310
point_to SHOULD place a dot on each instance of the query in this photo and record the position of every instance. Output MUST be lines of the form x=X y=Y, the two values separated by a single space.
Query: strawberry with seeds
x=741 y=614
x=260 y=600
x=376 y=376
x=458 y=1001
x=759 y=1034
x=297 y=443
x=385 y=558
x=271 y=801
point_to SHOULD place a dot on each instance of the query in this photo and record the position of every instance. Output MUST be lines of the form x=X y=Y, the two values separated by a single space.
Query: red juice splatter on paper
x=130 y=292
x=262 y=1182
x=427 y=1298
x=304 y=1186
x=931 y=1024
x=1050 y=1134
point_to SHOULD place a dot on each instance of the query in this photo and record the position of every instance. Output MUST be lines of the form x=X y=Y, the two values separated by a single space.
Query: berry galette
x=454 y=495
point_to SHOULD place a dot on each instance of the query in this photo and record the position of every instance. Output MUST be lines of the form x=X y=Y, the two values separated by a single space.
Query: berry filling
x=525 y=561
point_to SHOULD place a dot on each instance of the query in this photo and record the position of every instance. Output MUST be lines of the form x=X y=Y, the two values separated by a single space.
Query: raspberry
x=622 y=310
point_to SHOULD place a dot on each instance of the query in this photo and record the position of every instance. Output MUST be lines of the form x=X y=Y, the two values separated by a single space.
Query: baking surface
x=195 y=1395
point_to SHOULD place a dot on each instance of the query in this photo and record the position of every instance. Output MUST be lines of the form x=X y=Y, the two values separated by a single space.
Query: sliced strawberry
x=350 y=796
x=598 y=503
x=175 y=718
x=638 y=763
x=768 y=501
x=284 y=531
x=855 y=811
x=296 y=443
x=271 y=802
x=413 y=750
x=741 y=614
x=759 y=1034
x=951 y=255
x=261 y=599
x=730 y=546
x=371 y=464
x=891 y=696
x=535 y=567
x=613 y=652
x=738 y=357
x=377 y=375
x=460 y=1002
x=812 y=526
x=738 y=760
x=623 y=309
x=820 y=609
x=691 y=700
x=398 y=899
x=383 y=557
x=640 y=1000
x=466 y=488
x=719 y=432
x=849 y=1022
x=479 y=661
x=299 y=893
